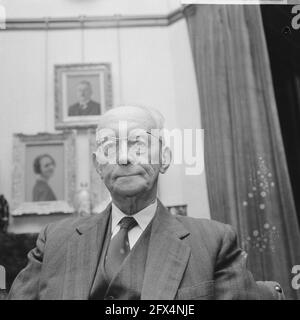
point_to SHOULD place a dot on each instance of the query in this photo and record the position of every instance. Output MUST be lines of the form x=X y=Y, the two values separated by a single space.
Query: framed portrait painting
x=82 y=93
x=44 y=173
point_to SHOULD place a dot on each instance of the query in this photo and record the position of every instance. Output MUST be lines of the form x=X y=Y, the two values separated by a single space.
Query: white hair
x=151 y=114
x=154 y=114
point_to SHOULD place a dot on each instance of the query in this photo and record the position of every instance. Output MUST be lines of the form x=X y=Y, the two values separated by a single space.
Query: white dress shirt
x=143 y=218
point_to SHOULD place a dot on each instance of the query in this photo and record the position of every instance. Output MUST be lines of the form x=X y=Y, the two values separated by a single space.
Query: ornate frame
x=61 y=121
x=19 y=205
x=99 y=199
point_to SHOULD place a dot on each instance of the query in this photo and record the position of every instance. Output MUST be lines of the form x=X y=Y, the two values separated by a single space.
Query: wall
x=186 y=102
x=150 y=66
x=65 y=8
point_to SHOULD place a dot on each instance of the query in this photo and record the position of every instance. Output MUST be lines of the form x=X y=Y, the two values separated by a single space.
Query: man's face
x=132 y=173
x=47 y=167
x=84 y=92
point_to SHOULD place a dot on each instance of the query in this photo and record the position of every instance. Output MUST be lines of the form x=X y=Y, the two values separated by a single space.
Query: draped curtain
x=247 y=176
x=287 y=84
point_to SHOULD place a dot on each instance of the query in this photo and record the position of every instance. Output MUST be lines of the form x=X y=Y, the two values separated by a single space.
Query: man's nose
x=123 y=156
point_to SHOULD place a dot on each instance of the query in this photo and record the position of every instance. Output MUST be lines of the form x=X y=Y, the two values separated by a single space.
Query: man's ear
x=96 y=165
x=166 y=158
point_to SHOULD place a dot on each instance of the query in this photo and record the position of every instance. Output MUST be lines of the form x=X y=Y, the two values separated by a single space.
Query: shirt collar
x=142 y=217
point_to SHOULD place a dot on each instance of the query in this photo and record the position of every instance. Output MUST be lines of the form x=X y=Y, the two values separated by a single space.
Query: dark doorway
x=284 y=51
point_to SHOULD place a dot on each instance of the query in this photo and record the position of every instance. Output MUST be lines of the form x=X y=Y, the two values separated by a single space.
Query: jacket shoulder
x=73 y=109
x=94 y=103
x=67 y=226
x=208 y=233
x=205 y=225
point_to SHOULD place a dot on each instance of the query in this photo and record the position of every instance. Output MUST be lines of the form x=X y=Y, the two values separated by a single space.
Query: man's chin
x=128 y=191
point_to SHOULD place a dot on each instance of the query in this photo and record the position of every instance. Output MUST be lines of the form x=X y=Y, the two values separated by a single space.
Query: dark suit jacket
x=188 y=258
x=93 y=109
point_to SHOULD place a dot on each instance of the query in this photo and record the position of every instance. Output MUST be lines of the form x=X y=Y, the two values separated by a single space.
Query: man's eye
x=139 y=147
x=108 y=148
x=136 y=143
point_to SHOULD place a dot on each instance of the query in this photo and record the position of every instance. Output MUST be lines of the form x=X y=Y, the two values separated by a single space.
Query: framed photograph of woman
x=82 y=93
x=43 y=173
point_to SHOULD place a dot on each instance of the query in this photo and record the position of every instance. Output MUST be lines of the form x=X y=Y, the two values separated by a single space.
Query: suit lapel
x=82 y=256
x=167 y=257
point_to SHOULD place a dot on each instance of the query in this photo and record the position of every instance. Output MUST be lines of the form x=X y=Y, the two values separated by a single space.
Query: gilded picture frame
x=33 y=181
x=82 y=93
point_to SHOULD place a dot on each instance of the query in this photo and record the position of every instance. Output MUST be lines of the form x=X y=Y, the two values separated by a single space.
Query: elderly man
x=135 y=249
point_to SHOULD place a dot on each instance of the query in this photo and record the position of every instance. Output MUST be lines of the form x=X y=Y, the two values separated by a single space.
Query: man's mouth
x=127 y=175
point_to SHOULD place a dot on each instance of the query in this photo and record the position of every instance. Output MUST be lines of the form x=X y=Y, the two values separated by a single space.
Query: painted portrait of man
x=85 y=105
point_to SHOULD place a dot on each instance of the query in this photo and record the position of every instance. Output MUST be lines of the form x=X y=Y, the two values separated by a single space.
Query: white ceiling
x=71 y=8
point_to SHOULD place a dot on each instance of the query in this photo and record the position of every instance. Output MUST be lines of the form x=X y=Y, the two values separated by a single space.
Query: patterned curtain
x=247 y=175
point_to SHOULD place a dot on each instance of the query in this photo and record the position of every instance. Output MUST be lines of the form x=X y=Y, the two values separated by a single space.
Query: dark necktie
x=119 y=247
